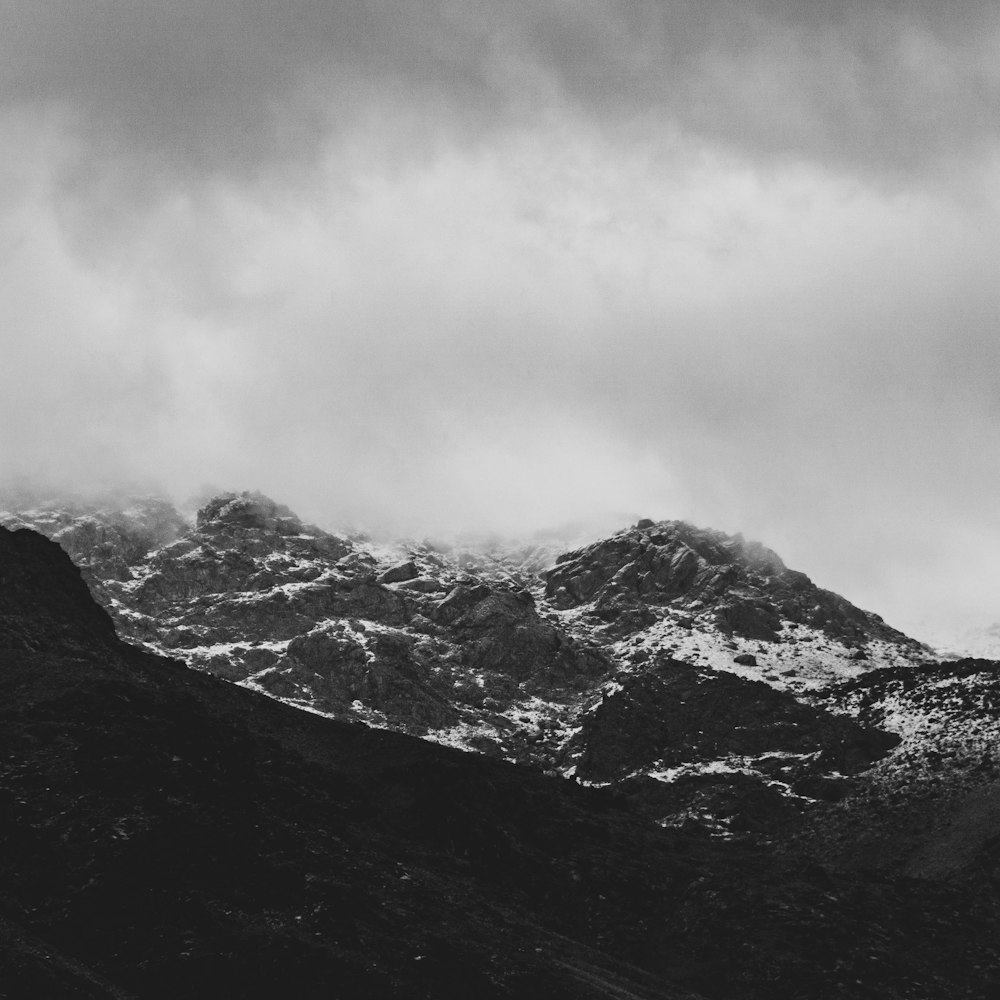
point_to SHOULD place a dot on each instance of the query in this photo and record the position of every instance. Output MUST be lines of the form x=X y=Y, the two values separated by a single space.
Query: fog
x=431 y=267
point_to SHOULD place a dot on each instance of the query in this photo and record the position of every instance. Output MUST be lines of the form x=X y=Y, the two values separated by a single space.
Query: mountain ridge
x=492 y=651
x=167 y=833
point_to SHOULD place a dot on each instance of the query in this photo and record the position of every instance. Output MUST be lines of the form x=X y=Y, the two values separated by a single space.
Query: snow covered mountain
x=684 y=666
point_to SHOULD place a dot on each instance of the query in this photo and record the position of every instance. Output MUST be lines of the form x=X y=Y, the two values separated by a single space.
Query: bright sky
x=450 y=265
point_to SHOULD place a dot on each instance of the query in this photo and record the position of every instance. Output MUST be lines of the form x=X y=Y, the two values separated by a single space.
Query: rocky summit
x=740 y=588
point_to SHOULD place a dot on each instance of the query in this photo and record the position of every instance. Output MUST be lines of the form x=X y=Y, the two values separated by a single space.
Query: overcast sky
x=458 y=264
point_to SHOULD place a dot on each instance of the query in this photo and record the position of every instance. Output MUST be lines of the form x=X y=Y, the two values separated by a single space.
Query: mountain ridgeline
x=514 y=651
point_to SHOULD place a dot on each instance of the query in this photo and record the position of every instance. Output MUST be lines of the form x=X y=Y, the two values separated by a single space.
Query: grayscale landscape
x=496 y=500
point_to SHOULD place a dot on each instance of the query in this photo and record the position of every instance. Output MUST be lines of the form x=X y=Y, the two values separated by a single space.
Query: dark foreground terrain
x=166 y=834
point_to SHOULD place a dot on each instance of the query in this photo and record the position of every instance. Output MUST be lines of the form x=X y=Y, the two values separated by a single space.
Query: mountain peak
x=249 y=509
x=744 y=586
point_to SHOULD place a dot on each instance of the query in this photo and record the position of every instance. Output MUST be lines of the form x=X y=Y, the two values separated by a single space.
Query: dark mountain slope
x=934 y=808
x=43 y=603
x=167 y=834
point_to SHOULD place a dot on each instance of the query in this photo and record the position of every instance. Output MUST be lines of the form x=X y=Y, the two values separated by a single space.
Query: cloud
x=458 y=264
x=230 y=85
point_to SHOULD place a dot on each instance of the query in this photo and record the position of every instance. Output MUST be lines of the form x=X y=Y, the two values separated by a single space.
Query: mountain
x=168 y=834
x=575 y=662
x=716 y=597
x=165 y=833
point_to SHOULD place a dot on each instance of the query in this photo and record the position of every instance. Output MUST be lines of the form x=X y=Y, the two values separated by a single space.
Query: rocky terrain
x=165 y=833
x=691 y=671
x=667 y=660
x=712 y=687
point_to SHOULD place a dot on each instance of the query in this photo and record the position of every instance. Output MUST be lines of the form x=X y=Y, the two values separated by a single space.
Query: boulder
x=250 y=510
x=399 y=573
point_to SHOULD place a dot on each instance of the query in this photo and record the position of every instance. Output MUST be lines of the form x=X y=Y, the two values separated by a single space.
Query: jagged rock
x=332 y=668
x=623 y=611
x=457 y=602
x=499 y=631
x=745 y=659
x=360 y=565
x=247 y=510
